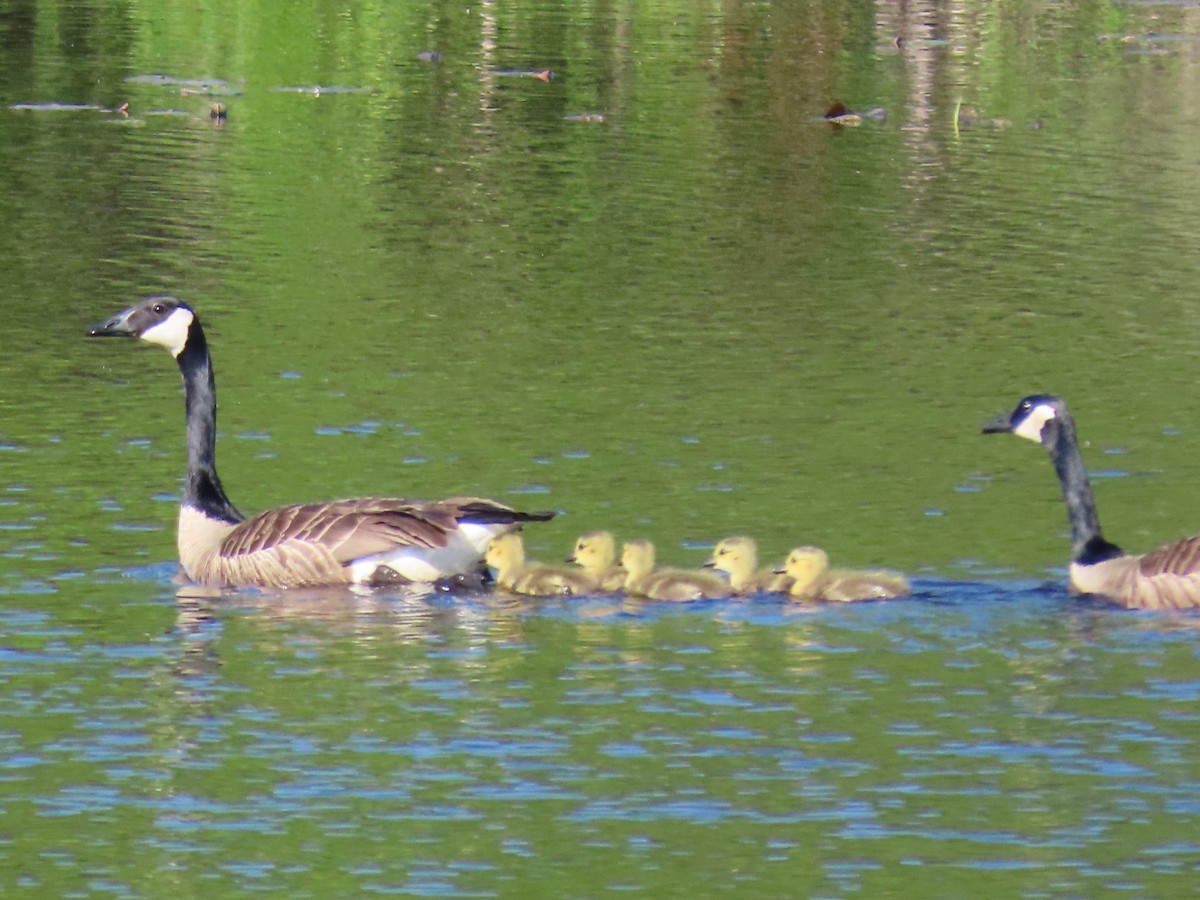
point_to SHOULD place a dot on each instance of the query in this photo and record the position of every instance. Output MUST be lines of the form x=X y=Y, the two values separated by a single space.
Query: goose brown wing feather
x=1180 y=558
x=347 y=529
x=1166 y=578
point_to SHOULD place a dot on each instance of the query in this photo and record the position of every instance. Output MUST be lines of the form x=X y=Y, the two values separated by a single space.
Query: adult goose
x=1166 y=578
x=362 y=541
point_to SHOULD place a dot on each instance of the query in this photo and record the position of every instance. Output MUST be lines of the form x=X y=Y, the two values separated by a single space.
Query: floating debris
x=171 y=81
x=1149 y=37
x=584 y=117
x=429 y=56
x=969 y=117
x=546 y=75
x=838 y=114
x=316 y=90
x=61 y=107
x=216 y=112
x=211 y=87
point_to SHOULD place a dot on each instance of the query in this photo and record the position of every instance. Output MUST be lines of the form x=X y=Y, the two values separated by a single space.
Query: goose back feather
x=1166 y=578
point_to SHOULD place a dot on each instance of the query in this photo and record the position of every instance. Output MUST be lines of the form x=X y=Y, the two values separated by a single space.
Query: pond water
x=611 y=261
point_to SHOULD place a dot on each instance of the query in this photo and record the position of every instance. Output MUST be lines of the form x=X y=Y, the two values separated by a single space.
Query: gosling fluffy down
x=596 y=553
x=506 y=555
x=812 y=579
x=738 y=557
x=643 y=580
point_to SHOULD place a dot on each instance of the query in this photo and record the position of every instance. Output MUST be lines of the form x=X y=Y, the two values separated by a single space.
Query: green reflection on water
x=708 y=314
x=748 y=321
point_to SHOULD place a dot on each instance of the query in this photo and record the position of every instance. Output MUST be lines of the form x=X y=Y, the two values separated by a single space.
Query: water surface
x=658 y=293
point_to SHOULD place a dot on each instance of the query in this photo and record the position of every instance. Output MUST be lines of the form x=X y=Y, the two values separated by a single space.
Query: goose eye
x=159 y=308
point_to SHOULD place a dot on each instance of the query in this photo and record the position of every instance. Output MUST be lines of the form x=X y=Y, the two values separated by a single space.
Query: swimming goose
x=641 y=578
x=812 y=579
x=1166 y=578
x=506 y=554
x=596 y=553
x=738 y=556
x=362 y=541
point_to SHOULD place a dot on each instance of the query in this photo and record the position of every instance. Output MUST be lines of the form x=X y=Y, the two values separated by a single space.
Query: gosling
x=738 y=556
x=596 y=553
x=506 y=554
x=641 y=578
x=814 y=580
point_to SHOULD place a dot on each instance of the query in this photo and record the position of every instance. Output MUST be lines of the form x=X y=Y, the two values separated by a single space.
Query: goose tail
x=487 y=512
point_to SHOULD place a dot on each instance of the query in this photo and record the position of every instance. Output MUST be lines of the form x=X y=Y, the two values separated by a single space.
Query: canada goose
x=738 y=556
x=1166 y=578
x=641 y=578
x=596 y=553
x=361 y=541
x=506 y=554
x=812 y=579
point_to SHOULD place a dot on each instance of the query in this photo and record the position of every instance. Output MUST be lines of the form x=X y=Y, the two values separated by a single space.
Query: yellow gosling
x=814 y=580
x=506 y=554
x=641 y=578
x=738 y=557
x=596 y=553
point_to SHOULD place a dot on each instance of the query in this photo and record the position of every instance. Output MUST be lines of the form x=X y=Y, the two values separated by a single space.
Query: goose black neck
x=1087 y=541
x=202 y=488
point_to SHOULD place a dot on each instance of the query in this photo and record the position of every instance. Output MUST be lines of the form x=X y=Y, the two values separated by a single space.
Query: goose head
x=637 y=558
x=805 y=565
x=594 y=551
x=163 y=320
x=738 y=556
x=1036 y=419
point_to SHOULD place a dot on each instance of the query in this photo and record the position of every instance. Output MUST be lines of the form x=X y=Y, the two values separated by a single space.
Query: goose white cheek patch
x=172 y=332
x=1031 y=426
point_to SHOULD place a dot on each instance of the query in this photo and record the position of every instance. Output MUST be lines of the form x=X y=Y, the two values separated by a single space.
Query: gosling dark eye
x=159 y=308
